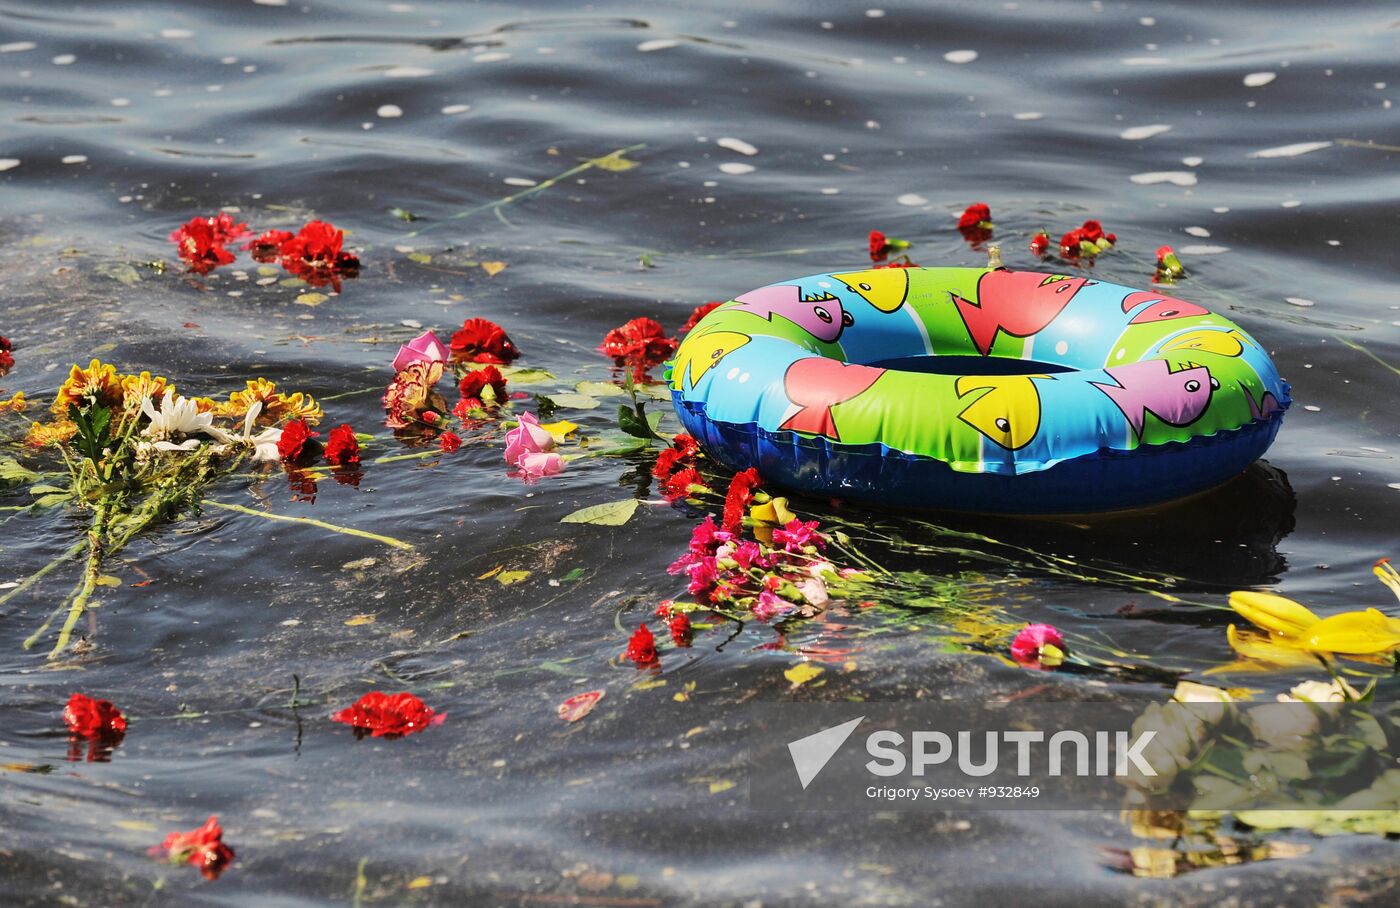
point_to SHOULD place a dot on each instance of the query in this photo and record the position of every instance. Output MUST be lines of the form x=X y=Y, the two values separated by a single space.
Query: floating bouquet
x=129 y=452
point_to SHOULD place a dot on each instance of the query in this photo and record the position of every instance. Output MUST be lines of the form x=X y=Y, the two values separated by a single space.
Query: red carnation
x=736 y=501
x=641 y=344
x=7 y=362
x=877 y=246
x=477 y=381
x=978 y=214
x=199 y=246
x=388 y=715
x=678 y=484
x=90 y=718
x=449 y=441
x=268 y=246
x=1040 y=243
x=295 y=435
x=482 y=341
x=342 y=447
x=680 y=629
x=641 y=648
x=700 y=312
x=203 y=848
x=315 y=255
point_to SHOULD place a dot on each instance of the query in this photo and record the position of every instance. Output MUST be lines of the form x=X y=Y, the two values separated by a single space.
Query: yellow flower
x=15 y=404
x=43 y=434
x=98 y=383
x=136 y=388
x=1355 y=633
x=1273 y=613
x=1387 y=575
x=774 y=511
x=277 y=406
x=1260 y=647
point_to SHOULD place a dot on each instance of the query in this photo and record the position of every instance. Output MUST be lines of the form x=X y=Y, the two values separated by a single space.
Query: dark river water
x=123 y=120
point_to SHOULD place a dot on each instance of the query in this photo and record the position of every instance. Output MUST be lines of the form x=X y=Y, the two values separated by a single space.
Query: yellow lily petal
x=1276 y=652
x=1051 y=655
x=560 y=430
x=1388 y=576
x=1272 y=612
x=1357 y=633
x=774 y=511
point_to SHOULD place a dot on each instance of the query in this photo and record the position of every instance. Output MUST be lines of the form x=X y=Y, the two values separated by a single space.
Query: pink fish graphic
x=1176 y=398
x=820 y=314
x=1266 y=406
x=1163 y=308
x=816 y=385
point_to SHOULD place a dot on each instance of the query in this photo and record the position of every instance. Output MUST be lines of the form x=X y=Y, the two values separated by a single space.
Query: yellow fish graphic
x=883 y=288
x=1008 y=412
x=1226 y=343
x=700 y=353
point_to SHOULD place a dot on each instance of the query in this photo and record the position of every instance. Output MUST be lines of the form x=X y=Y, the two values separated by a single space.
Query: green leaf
x=45 y=489
x=614 y=162
x=573 y=575
x=599 y=389
x=507 y=578
x=612 y=514
x=638 y=423
x=93 y=424
x=528 y=376
x=421 y=258
x=121 y=272
x=403 y=214
x=50 y=501
x=575 y=401
x=13 y=473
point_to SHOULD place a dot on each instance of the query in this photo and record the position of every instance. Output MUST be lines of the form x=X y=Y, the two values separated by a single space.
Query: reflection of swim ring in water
x=1001 y=391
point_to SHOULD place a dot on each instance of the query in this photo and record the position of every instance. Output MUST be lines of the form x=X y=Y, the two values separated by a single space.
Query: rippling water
x=1269 y=164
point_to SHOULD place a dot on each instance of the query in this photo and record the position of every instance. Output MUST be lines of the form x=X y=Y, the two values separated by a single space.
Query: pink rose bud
x=527 y=438
x=425 y=348
x=536 y=465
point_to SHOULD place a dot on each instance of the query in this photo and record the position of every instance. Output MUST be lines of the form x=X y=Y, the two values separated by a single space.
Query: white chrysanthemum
x=177 y=418
x=264 y=444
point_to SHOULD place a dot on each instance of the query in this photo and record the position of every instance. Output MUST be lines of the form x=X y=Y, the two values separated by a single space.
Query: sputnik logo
x=811 y=754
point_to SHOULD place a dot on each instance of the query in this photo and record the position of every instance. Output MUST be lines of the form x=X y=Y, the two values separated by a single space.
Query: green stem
x=311 y=521
x=526 y=193
x=91 y=573
x=33 y=638
x=38 y=575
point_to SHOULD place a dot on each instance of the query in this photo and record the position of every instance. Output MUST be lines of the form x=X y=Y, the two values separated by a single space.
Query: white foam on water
x=912 y=199
x=408 y=72
x=1257 y=80
x=1197 y=231
x=8 y=164
x=736 y=168
x=454 y=109
x=1138 y=133
x=1299 y=301
x=520 y=181
x=1203 y=250
x=736 y=145
x=656 y=44
x=1193 y=160
x=960 y=56
x=1290 y=151
x=1175 y=177
x=1028 y=115
x=390 y=111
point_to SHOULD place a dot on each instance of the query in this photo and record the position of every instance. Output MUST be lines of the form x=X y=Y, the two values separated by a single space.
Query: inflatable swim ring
x=978 y=390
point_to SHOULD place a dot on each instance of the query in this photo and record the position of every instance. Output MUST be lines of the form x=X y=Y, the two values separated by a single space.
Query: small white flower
x=177 y=417
x=264 y=444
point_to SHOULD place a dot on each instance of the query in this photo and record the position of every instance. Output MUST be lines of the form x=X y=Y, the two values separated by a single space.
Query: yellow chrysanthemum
x=206 y=405
x=98 y=383
x=276 y=405
x=136 y=388
x=43 y=434
x=16 y=404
